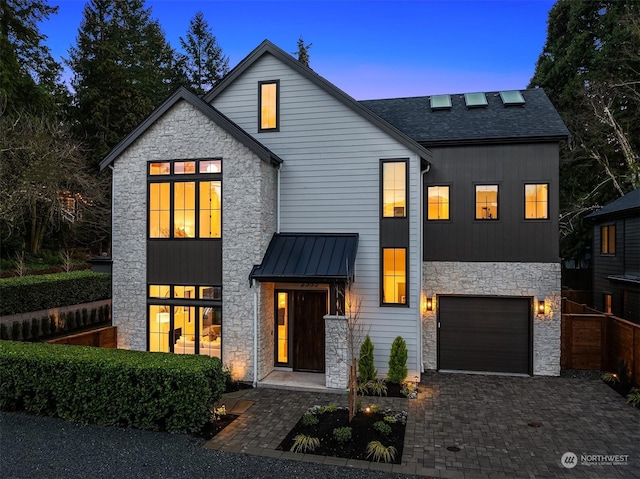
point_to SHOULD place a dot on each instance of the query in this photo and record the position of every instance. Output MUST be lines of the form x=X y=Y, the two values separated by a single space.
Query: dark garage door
x=484 y=334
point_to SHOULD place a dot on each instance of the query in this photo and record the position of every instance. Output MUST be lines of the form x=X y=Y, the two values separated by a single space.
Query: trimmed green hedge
x=33 y=293
x=111 y=387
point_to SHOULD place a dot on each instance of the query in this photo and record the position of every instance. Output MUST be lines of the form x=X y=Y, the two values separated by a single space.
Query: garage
x=488 y=334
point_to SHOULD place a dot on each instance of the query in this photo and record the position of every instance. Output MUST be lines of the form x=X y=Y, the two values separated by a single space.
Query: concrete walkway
x=469 y=426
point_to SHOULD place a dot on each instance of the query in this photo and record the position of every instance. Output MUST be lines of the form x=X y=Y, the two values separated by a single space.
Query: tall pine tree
x=589 y=67
x=123 y=67
x=203 y=63
x=29 y=76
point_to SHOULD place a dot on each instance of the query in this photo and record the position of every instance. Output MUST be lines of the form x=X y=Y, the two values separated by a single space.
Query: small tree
x=366 y=368
x=398 y=361
x=303 y=51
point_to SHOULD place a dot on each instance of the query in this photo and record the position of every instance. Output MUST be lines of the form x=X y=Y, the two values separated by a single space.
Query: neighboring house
x=239 y=217
x=616 y=257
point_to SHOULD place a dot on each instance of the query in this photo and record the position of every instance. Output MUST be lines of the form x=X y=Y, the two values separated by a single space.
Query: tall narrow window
x=184 y=214
x=536 y=201
x=438 y=203
x=608 y=239
x=283 y=328
x=210 y=211
x=607 y=302
x=486 y=202
x=394 y=189
x=159 y=210
x=269 y=105
x=394 y=275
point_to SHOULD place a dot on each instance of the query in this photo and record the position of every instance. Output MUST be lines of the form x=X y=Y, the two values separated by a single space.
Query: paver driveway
x=486 y=417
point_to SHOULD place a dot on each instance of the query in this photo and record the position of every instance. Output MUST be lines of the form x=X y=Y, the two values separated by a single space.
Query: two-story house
x=616 y=257
x=239 y=217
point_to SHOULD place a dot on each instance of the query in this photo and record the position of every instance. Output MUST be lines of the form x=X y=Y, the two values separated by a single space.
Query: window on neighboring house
x=536 y=201
x=438 y=203
x=394 y=189
x=608 y=239
x=188 y=320
x=185 y=209
x=486 y=202
x=394 y=276
x=268 y=98
x=606 y=303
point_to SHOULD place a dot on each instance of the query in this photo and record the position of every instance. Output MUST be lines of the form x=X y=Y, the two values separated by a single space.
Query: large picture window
x=394 y=276
x=394 y=189
x=536 y=201
x=268 y=93
x=438 y=203
x=185 y=319
x=185 y=199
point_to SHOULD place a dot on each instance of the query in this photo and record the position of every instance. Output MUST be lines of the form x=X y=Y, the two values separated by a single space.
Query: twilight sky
x=369 y=49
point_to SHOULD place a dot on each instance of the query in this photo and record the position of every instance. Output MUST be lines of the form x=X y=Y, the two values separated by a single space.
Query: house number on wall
x=308 y=285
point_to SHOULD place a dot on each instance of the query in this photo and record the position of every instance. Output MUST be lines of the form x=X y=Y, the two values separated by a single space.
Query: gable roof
x=210 y=112
x=266 y=47
x=625 y=204
x=536 y=120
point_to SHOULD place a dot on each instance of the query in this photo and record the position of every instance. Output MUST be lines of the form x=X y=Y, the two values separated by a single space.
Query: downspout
x=278 y=201
x=421 y=266
x=255 y=333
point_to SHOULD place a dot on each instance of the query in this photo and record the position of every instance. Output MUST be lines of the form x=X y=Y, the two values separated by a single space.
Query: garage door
x=484 y=334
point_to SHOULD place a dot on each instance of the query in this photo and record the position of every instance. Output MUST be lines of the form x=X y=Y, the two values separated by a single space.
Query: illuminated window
x=184 y=323
x=268 y=100
x=283 y=328
x=438 y=202
x=394 y=189
x=608 y=239
x=394 y=275
x=186 y=209
x=486 y=202
x=606 y=303
x=536 y=201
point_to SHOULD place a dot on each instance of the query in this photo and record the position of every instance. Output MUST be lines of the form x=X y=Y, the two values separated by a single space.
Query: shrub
x=111 y=387
x=342 y=434
x=398 y=361
x=35 y=328
x=15 y=331
x=377 y=387
x=382 y=427
x=309 y=419
x=379 y=451
x=26 y=327
x=46 y=291
x=390 y=419
x=4 y=331
x=633 y=397
x=304 y=443
x=366 y=368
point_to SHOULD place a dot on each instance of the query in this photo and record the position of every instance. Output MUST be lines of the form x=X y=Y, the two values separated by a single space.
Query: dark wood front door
x=309 y=308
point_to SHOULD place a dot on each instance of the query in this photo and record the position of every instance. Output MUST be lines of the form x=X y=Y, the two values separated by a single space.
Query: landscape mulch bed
x=362 y=433
x=622 y=388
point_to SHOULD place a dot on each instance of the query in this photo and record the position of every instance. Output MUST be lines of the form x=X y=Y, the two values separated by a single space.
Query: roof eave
x=492 y=141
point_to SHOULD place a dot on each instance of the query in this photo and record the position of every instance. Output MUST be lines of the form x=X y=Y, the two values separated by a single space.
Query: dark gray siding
x=185 y=262
x=626 y=261
x=510 y=238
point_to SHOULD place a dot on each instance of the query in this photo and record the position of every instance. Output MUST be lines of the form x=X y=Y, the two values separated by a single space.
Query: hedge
x=110 y=387
x=33 y=293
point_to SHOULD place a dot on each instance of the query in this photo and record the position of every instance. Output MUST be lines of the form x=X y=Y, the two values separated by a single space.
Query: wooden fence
x=106 y=337
x=593 y=340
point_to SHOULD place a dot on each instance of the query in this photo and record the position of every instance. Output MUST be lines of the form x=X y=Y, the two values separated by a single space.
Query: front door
x=309 y=309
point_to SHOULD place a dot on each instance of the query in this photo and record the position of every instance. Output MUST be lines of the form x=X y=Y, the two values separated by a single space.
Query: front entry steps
x=296 y=381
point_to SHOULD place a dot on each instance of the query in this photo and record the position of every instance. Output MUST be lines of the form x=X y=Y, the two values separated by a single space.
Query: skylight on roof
x=475 y=100
x=440 y=102
x=512 y=97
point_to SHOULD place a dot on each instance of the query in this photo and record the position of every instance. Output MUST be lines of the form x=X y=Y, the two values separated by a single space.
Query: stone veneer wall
x=538 y=280
x=266 y=327
x=336 y=359
x=249 y=186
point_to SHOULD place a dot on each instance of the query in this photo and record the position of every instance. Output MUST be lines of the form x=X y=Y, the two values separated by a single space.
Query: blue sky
x=370 y=49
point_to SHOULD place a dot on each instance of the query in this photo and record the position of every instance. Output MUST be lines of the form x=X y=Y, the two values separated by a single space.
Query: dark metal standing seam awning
x=308 y=257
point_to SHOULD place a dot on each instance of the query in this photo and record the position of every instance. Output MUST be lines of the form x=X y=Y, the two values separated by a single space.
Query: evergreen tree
x=590 y=67
x=366 y=367
x=123 y=67
x=303 y=51
x=398 y=361
x=203 y=64
x=29 y=76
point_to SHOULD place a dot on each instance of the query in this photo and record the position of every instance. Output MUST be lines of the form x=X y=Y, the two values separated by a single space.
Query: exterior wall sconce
x=429 y=304
x=541 y=308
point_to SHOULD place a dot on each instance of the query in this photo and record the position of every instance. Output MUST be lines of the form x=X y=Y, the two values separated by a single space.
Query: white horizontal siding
x=330 y=183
